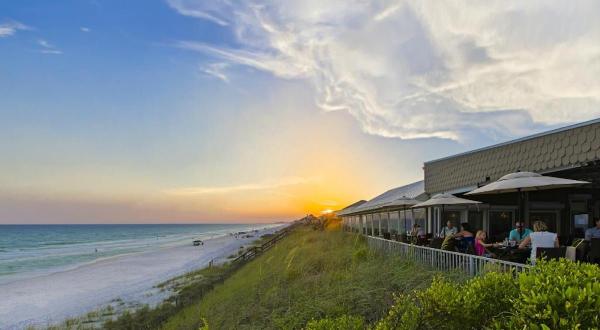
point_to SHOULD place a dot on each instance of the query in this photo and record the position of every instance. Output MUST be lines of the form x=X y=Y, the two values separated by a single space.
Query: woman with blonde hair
x=540 y=238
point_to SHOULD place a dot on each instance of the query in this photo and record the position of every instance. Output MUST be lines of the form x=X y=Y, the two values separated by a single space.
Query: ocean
x=32 y=250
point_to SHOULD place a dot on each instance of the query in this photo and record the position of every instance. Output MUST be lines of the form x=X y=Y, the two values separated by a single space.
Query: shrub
x=557 y=295
x=345 y=322
x=447 y=305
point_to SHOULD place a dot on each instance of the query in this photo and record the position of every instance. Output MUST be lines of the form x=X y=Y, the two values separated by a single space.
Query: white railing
x=444 y=260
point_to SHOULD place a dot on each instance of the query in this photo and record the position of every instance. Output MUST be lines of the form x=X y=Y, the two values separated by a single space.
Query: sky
x=176 y=111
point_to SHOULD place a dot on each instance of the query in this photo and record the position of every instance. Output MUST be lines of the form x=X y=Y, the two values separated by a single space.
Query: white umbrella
x=524 y=181
x=445 y=199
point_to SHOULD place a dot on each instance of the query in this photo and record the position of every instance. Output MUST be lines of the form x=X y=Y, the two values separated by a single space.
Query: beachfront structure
x=571 y=152
x=380 y=216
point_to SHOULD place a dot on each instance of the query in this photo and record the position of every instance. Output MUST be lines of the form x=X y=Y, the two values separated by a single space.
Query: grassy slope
x=310 y=274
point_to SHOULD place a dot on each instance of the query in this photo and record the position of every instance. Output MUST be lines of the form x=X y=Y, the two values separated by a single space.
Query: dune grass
x=309 y=275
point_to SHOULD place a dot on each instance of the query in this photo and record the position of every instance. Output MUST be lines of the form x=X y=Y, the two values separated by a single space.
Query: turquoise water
x=28 y=250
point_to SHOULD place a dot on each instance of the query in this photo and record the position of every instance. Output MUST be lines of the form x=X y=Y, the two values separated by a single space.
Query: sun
x=327 y=211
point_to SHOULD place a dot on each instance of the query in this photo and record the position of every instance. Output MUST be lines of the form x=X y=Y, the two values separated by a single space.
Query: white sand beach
x=49 y=299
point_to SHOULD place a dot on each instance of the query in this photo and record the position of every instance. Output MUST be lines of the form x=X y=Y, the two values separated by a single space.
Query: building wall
x=556 y=150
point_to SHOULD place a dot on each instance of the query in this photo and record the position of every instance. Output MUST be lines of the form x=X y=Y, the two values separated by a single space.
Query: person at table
x=593 y=232
x=519 y=233
x=466 y=237
x=448 y=230
x=481 y=247
x=417 y=231
x=540 y=238
x=417 y=234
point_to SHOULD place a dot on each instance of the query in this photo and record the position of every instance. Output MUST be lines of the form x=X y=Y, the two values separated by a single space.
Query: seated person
x=417 y=231
x=593 y=232
x=481 y=246
x=466 y=237
x=417 y=234
x=540 y=238
x=519 y=233
x=449 y=243
x=449 y=229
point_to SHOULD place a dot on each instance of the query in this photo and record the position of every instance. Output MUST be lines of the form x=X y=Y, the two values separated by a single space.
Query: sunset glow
x=238 y=112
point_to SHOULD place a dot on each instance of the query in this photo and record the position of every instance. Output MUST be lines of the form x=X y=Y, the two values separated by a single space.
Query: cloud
x=206 y=12
x=427 y=68
x=10 y=28
x=216 y=70
x=217 y=190
x=84 y=29
x=48 y=48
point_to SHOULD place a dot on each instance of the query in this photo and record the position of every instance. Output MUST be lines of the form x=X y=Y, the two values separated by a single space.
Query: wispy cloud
x=10 y=28
x=187 y=8
x=216 y=70
x=427 y=68
x=217 y=190
x=84 y=29
x=48 y=48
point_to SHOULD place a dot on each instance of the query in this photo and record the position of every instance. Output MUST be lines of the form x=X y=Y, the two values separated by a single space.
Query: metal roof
x=350 y=207
x=414 y=190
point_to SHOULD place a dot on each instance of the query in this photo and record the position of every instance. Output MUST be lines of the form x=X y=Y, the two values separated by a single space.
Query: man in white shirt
x=593 y=232
x=448 y=230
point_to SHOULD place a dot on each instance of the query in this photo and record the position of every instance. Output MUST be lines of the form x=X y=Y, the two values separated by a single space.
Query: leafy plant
x=344 y=322
x=557 y=295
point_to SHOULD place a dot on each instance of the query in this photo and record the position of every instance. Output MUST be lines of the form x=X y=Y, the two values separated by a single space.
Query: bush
x=553 y=295
x=345 y=322
x=558 y=295
x=447 y=305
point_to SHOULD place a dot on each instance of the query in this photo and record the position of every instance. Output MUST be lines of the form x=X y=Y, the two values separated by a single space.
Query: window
x=376 y=224
x=475 y=220
x=395 y=222
x=420 y=217
x=500 y=225
x=385 y=227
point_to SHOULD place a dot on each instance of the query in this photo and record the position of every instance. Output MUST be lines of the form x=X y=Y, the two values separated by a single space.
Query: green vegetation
x=310 y=275
x=330 y=280
x=553 y=295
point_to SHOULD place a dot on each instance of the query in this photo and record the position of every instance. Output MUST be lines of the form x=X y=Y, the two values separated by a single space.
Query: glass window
x=409 y=220
x=384 y=222
x=453 y=216
x=376 y=224
x=394 y=222
x=475 y=220
x=420 y=218
x=500 y=225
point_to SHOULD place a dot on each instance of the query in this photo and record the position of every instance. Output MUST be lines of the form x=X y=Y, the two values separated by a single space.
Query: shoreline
x=129 y=280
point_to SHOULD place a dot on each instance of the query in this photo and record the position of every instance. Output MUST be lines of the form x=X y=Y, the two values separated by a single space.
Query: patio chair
x=551 y=253
x=594 y=252
x=436 y=243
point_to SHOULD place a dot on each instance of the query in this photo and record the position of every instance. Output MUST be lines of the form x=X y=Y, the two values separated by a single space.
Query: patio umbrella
x=445 y=199
x=404 y=202
x=523 y=182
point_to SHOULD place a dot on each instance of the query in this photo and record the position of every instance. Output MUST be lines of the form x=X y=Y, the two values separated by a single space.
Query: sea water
x=32 y=250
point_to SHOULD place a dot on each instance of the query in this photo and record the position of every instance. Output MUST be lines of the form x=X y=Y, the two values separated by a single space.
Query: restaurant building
x=571 y=152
